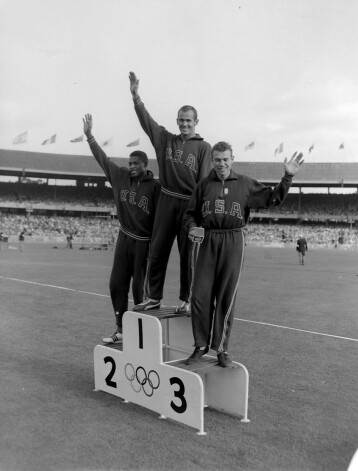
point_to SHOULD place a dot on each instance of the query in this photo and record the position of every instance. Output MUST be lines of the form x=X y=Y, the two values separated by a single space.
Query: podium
x=148 y=368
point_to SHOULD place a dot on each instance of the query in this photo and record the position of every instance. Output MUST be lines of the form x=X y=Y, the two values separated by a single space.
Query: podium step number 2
x=137 y=374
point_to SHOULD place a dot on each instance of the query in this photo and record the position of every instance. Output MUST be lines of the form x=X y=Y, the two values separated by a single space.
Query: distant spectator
x=69 y=241
x=301 y=249
x=341 y=237
x=21 y=240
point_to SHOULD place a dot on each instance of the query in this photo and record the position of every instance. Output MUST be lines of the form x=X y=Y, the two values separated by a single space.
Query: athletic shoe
x=115 y=338
x=196 y=355
x=147 y=305
x=225 y=361
x=182 y=307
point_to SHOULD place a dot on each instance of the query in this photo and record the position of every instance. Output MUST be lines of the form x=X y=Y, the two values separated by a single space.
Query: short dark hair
x=141 y=155
x=221 y=147
x=189 y=108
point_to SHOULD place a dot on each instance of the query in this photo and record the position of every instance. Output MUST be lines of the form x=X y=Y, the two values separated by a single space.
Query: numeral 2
x=109 y=382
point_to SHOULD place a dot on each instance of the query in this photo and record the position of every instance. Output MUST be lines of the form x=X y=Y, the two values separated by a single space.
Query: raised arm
x=262 y=196
x=96 y=150
x=150 y=127
x=133 y=85
x=293 y=165
x=87 y=125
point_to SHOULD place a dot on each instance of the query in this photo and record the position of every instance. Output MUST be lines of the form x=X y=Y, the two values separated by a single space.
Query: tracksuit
x=181 y=165
x=301 y=249
x=222 y=208
x=136 y=201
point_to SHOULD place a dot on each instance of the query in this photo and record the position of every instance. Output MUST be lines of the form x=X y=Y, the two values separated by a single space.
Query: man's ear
x=196 y=122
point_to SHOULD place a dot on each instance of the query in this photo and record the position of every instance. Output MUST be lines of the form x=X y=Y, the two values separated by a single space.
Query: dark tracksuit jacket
x=181 y=165
x=136 y=202
x=223 y=209
x=302 y=245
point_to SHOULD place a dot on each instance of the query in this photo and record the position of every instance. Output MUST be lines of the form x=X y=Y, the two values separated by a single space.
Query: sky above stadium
x=258 y=71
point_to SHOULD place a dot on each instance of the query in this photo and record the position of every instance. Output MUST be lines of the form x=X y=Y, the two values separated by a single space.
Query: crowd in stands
x=53 y=227
x=106 y=230
x=316 y=234
x=311 y=204
x=257 y=231
x=102 y=197
x=51 y=195
x=319 y=204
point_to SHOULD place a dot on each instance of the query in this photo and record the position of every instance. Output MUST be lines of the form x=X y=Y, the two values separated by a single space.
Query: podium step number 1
x=138 y=374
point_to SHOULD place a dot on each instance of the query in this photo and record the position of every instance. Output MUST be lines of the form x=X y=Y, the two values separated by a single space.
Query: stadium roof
x=74 y=167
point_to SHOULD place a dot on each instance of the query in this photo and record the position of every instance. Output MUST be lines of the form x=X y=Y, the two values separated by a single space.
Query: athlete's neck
x=185 y=137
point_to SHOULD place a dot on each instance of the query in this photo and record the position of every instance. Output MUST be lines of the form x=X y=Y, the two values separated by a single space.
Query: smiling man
x=136 y=194
x=183 y=161
x=221 y=204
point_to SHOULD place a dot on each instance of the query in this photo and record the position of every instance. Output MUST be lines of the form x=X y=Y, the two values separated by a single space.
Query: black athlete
x=135 y=193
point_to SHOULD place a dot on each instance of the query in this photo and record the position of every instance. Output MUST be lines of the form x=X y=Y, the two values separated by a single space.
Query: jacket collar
x=213 y=176
x=148 y=175
x=197 y=137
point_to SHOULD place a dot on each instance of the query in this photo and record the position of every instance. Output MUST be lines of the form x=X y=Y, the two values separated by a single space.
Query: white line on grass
x=54 y=286
x=298 y=330
x=235 y=318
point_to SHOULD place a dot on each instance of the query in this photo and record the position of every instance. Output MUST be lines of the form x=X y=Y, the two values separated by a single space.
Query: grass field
x=295 y=329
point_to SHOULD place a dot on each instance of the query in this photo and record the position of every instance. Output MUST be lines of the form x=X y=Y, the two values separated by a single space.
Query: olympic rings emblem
x=139 y=379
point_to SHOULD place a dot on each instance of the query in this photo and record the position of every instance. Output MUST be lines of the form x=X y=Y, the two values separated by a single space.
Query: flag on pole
x=107 y=143
x=250 y=146
x=50 y=140
x=342 y=145
x=311 y=148
x=78 y=139
x=279 y=149
x=134 y=143
x=21 y=138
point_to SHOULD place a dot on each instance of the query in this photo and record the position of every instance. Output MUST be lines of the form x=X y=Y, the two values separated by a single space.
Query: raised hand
x=294 y=164
x=87 y=124
x=134 y=84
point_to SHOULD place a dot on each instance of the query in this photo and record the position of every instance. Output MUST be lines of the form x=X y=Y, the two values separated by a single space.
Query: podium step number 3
x=137 y=374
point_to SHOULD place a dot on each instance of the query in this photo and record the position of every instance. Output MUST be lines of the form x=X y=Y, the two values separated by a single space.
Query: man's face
x=187 y=123
x=222 y=163
x=137 y=168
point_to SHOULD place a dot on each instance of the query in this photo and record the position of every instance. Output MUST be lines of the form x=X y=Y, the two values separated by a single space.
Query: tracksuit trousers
x=216 y=281
x=130 y=262
x=168 y=225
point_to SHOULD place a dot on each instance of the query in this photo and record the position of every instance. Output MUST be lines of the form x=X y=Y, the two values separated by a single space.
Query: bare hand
x=87 y=124
x=134 y=84
x=294 y=164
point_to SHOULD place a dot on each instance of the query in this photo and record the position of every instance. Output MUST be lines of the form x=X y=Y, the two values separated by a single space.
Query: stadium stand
x=85 y=168
x=87 y=211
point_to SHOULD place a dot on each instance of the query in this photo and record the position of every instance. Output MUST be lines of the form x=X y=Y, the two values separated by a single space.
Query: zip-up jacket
x=135 y=199
x=181 y=163
x=226 y=205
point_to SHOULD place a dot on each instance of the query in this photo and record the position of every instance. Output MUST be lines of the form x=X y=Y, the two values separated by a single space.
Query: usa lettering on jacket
x=129 y=196
x=190 y=160
x=219 y=208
